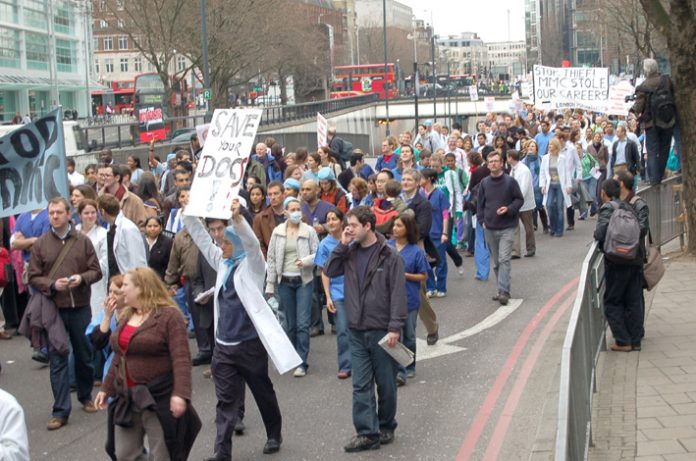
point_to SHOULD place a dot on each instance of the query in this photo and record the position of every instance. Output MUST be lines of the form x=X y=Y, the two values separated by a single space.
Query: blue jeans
x=372 y=366
x=180 y=299
x=75 y=321
x=296 y=304
x=408 y=339
x=591 y=185
x=482 y=256
x=437 y=280
x=556 y=208
x=657 y=142
x=342 y=337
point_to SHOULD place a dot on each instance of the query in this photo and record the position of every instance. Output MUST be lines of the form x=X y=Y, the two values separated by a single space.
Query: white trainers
x=461 y=271
x=300 y=372
x=440 y=294
x=429 y=294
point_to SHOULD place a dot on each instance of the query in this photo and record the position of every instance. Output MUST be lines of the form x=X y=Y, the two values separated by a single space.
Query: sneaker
x=386 y=437
x=515 y=257
x=429 y=294
x=40 y=356
x=400 y=380
x=496 y=297
x=432 y=339
x=208 y=373
x=343 y=374
x=362 y=443
x=410 y=374
x=56 y=423
x=440 y=294
x=503 y=299
x=88 y=407
x=300 y=372
x=460 y=270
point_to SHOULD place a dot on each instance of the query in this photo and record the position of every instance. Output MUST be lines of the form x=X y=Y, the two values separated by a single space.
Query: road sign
x=207 y=94
x=473 y=93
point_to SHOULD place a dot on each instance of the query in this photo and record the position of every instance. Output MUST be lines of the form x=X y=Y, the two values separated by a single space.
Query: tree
x=159 y=30
x=675 y=21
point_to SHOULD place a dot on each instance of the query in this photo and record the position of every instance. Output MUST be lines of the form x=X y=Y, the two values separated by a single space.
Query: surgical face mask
x=296 y=217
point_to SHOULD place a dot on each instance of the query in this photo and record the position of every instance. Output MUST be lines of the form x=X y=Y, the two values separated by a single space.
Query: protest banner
x=322 y=130
x=473 y=93
x=490 y=103
x=202 y=133
x=616 y=104
x=32 y=165
x=223 y=161
x=571 y=87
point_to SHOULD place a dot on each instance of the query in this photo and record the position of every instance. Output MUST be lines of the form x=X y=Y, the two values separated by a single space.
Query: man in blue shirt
x=543 y=137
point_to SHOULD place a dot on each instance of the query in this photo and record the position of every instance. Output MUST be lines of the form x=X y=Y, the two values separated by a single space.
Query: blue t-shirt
x=319 y=212
x=32 y=227
x=542 y=141
x=327 y=246
x=439 y=202
x=414 y=263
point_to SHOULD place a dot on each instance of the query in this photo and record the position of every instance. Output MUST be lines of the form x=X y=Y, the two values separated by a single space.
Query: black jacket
x=643 y=213
x=380 y=304
x=424 y=214
x=203 y=282
x=158 y=259
x=632 y=156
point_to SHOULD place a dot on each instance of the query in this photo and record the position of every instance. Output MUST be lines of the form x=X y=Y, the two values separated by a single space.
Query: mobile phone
x=72 y=278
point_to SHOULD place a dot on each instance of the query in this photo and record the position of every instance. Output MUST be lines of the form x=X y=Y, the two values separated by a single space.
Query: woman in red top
x=330 y=191
x=152 y=342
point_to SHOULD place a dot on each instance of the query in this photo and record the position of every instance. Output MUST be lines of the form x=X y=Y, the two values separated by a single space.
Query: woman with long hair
x=359 y=193
x=135 y=168
x=405 y=240
x=328 y=160
x=556 y=186
x=151 y=356
x=257 y=200
x=149 y=193
x=290 y=261
x=533 y=162
x=330 y=192
x=175 y=223
x=89 y=225
x=313 y=166
x=106 y=321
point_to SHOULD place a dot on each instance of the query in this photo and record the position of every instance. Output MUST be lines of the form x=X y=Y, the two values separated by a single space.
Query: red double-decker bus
x=364 y=79
x=120 y=95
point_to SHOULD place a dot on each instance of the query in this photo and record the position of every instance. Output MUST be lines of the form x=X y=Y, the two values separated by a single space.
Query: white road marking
x=444 y=346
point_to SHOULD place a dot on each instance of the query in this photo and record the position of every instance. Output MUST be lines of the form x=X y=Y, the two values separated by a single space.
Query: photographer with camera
x=658 y=116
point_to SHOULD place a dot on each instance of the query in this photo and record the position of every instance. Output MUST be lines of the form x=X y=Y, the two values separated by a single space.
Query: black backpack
x=662 y=108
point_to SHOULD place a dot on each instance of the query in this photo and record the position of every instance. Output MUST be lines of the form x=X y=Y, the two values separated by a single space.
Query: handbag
x=654 y=267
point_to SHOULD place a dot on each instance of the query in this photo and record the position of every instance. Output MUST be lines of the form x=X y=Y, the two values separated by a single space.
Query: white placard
x=490 y=103
x=322 y=130
x=571 y=87
x=616 y=104
x=473 y=93
x=223 y=161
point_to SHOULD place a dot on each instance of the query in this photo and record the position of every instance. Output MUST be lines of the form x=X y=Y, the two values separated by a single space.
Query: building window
x=102 y=5
x=9 y=48
x=150 y=67
x=119 y=5
x=37 y=51
x=180 y=63
x=123 y=42
x=63 y=18
x=119 y=23
x=66 y=56
x=137 y=64
x=108 y=44
x=109 y=66
x=34 y=15
x=8 y=10
x=103 y=24
x=96 y=66
x=124 y=64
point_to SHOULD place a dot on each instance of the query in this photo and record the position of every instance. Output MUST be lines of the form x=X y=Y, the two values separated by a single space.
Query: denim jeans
x=372 y=366
x=180 y=299
x=408 y=339
x=657 y=142
x=500 y=242
x=296 y=304
x=591 y=185
x=437 y=279
x=75 y=321
x=482 y=255
x=556 y=208
x=342 y=337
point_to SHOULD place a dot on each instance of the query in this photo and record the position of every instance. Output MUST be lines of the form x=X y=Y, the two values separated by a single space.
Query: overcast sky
x=488 y=19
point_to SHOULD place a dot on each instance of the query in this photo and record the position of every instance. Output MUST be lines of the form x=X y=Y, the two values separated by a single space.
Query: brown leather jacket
x=264 y=223
x=81 y=260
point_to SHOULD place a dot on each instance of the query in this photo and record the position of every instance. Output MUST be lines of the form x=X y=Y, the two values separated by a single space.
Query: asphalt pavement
x=481 y=393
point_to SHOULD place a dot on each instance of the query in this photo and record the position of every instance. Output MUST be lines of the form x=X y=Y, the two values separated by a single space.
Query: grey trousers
x=500 y=243
x=130 y=441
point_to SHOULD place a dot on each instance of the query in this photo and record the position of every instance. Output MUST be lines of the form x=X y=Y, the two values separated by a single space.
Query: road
x=478 y=394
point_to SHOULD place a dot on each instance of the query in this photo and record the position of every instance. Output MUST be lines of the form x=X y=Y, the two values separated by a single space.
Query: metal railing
x=586 y=334
x=119 y=135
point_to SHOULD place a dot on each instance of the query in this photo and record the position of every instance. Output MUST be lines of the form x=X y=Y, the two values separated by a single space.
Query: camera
x=630 y=98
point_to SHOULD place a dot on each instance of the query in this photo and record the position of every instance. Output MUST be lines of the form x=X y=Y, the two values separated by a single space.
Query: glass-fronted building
x=44 y=56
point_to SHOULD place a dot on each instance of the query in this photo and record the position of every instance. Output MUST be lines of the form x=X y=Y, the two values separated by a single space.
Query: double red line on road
x=469 y=445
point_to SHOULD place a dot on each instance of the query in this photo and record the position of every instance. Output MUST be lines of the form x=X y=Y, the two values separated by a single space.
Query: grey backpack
x=622 y=242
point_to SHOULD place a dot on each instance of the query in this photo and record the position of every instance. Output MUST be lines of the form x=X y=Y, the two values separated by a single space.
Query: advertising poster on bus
x=151 y=124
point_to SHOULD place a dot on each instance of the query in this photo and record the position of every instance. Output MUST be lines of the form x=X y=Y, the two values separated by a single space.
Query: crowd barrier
x=586 y=334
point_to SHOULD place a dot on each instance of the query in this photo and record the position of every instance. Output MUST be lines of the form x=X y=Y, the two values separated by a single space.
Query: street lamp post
x=204 y=46
x=434 y=76
x=416 y=80
x=386 y=68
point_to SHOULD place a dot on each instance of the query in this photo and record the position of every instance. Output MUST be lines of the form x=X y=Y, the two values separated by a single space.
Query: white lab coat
x=129 y=245
x=523 y=176
x=14 y=444
x=248 y=281
x=563 y=177
x=97 y=235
